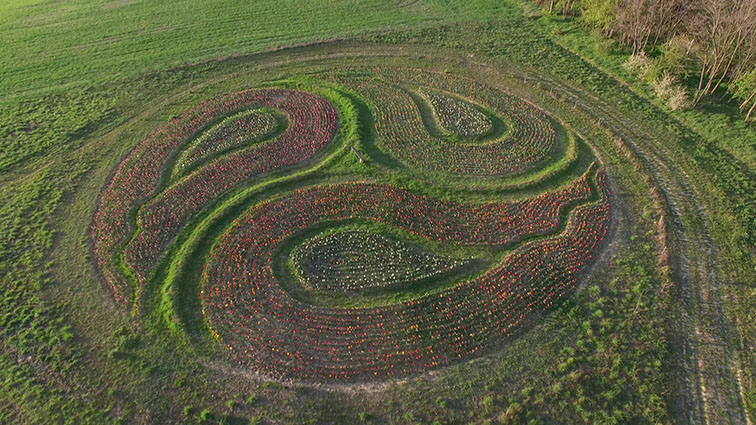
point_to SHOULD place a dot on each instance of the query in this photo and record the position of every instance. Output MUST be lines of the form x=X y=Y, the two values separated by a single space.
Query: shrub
x=638 y=64
x=675 y=95
x=441 y=402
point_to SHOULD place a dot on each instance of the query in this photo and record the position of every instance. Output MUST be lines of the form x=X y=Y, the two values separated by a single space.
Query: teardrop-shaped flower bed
x=355 y=260
x=459 y=117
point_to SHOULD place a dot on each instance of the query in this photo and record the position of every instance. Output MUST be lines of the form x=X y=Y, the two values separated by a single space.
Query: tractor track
x=713 y=393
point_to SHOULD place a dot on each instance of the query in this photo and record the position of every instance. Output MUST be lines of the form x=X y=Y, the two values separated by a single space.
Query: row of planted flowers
x=400 y=130
x=313 y=123
x=274 y=334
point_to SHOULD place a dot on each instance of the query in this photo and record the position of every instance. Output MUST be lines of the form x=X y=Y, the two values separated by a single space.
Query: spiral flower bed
x=399 y=127
x=200 y=167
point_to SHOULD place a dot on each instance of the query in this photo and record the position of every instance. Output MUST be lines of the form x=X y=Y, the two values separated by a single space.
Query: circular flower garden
x=208 y=160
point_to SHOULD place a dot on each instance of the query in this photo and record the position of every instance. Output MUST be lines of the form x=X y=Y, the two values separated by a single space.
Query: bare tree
x=744 y=88
x=751 y=99
x=564 y=6
x=720 y=37
x=723 y=30
x=642 y=24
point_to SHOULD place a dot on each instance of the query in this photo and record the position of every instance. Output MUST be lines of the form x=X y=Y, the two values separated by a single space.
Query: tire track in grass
x=714 y=387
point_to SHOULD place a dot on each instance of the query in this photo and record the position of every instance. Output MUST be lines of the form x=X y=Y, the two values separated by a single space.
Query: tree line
x=690 y=50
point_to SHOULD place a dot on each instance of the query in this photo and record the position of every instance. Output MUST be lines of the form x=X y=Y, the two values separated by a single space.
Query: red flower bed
x=234 y=131
x=272 y=333
x=268 y=330
x=400 y=130
x=136 y=179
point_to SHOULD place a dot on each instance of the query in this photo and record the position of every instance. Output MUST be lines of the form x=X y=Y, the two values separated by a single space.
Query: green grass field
x=660 y=329
x=49 y=46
